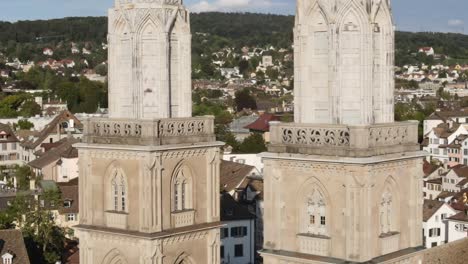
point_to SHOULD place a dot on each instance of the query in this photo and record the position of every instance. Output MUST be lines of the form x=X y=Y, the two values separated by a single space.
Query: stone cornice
x=344 y=160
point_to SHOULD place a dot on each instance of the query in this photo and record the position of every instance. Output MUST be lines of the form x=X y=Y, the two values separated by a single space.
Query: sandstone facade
x=149 y=174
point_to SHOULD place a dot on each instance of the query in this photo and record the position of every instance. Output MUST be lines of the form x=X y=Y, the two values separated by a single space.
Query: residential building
x=439 y=139
x=12 y=247
x=455 y=179
x=67 y=214
x=455 y=150
x=58 y=161
x=262 y=125
x=62 y=126
x=429 y=51
x=445 y=116
x=233 y=174
x=10 y=149
x=248 y=159
x=238 y=232
x=435 y=214
x=432 y=188
x=237 y=126
x=458 y=226
x=48 y=52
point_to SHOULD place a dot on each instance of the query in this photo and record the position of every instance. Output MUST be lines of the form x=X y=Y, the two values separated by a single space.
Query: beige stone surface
x=149 y=174
x=149 y=60
x=344 y=56
x=352 y=195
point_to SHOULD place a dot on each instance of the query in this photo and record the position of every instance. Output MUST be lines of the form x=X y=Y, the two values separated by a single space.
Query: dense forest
x=223 y=29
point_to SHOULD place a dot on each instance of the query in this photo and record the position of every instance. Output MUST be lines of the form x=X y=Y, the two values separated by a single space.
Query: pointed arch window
x=119 y=192
x=182 y=190
x=316 y=218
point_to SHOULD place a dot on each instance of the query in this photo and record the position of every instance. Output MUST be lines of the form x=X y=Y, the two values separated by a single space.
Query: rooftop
x=11 y=241
x=430 y=207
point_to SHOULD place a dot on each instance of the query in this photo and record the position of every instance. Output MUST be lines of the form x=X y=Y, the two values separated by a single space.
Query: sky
x=410 y=15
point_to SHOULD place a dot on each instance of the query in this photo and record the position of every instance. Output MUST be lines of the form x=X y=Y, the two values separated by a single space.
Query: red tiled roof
x=262 y=123
x=429 y=168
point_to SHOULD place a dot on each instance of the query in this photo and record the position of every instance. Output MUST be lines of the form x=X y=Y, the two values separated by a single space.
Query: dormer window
x=67 y=203
x=7 y=258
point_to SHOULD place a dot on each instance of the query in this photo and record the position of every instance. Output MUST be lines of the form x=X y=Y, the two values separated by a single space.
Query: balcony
x=116 y=220
x=389 y=243
x=342 y=140
x=183 y=218
x=314 y=244
x=149 y=132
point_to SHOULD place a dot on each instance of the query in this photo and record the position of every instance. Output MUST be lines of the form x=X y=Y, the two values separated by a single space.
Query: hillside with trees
x=235 y=30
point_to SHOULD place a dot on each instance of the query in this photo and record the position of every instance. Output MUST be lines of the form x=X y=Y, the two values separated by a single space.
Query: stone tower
x=149 y=59
x=149 y=174
x=343 y=183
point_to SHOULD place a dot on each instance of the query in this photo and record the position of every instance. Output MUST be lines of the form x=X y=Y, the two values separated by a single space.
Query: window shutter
x=244 y=231
x=430 y=232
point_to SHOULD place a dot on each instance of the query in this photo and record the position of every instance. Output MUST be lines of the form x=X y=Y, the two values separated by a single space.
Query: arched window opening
x=316 y=223
x=119 y=192
x=182 y=190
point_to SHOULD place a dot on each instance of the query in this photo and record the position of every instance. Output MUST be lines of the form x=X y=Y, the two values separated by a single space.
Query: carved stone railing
x=389 y=243
x=343 y=140
x=183 y=218
x=116 y=220
x=314 y=245
x=149 y=132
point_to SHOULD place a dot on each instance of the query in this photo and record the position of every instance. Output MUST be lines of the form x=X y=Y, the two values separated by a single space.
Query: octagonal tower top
x=344 y=62
x=136 y=3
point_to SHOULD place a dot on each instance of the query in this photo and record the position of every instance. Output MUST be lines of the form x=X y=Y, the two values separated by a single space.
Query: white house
x=429 y=51
x=438 y=139
x=435 y=214
x=432 y=188
x=238 y=233
x=445 y=116
x=10 y=149
x=457 y=226
x=248 y=159
x=48 y=52
x=456 y=179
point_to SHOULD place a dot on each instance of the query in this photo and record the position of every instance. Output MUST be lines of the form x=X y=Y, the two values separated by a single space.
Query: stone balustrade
x=149 y=132
x=314 y=245
x=343 y=140
x=183 y=218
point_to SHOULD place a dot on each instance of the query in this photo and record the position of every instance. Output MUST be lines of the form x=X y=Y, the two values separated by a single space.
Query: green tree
x=253 y=144
x=24 y=124
x=244 y=100
x=23 y=176
x=30 y=108
x=101 y=69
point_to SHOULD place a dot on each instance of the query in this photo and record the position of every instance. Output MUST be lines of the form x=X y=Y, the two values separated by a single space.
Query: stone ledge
x=154 y=235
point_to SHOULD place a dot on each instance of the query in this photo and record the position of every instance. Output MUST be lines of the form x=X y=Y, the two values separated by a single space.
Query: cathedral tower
x=343 y=183
x=149 y=59
x=149 y=174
